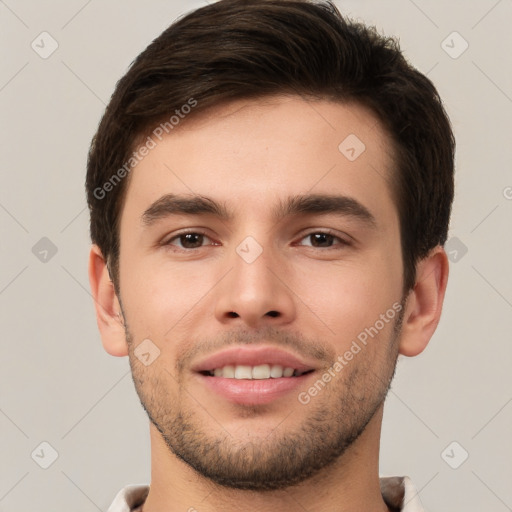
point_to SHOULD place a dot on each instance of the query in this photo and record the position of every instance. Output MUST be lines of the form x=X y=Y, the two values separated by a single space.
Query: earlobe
x=424 y=303
x=106 y=303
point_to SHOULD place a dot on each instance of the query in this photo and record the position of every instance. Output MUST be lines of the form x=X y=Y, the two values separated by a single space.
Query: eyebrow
x=309 y=204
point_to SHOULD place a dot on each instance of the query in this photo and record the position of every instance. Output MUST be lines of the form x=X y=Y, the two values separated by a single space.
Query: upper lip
x=252 y=356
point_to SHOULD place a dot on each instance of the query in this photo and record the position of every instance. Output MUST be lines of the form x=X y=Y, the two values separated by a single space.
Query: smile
x=259 y=372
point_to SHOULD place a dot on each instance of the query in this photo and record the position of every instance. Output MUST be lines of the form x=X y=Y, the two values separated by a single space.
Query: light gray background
x=59 y=386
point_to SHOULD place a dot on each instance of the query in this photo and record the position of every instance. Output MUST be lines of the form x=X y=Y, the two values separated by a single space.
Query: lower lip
x=255 y=391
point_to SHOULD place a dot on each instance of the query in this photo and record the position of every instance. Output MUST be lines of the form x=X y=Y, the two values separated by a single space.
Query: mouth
x=253 y=375
x=259 y=372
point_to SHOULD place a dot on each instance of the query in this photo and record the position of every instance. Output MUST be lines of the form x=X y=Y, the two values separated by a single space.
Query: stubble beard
x=332 y=422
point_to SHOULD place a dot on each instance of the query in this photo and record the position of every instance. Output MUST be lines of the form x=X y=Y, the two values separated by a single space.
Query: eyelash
x=168 y=243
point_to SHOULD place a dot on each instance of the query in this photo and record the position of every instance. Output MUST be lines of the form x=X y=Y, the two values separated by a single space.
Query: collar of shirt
x=399 y=493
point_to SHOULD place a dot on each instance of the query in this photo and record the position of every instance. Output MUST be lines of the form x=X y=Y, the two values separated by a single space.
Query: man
x=270 y=190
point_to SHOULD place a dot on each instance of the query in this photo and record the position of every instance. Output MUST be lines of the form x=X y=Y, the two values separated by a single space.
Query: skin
x=250 y=154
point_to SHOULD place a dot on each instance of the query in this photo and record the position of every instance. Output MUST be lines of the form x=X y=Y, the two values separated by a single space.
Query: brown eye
x=320 y=239
x=191 y=240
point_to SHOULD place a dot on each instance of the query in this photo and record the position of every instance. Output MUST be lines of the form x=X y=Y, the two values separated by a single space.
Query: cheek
x=348 y=296
x=159 y=297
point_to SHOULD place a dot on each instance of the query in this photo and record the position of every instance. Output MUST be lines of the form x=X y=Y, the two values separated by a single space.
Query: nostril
x=273 y=313
x=232 y=314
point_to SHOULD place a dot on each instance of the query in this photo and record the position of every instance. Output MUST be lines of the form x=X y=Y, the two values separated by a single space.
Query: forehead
x=264 y=151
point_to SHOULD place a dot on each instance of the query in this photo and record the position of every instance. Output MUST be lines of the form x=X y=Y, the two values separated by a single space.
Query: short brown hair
x=243 y=49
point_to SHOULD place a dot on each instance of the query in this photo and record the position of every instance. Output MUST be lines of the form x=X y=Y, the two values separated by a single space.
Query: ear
x=106 y=303
x=424 y=303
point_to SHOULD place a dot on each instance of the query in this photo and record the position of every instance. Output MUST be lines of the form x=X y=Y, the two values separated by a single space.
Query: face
x=260 y=237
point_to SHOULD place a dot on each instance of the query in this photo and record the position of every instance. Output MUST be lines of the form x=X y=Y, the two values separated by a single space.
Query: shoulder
x=129 y=497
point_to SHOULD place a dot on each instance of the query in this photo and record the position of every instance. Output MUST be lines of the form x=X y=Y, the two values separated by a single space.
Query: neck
x=351 y=483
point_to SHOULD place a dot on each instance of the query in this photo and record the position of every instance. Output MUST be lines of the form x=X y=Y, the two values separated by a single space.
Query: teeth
x=243 y=372
x=276 y=371
x=228 y=372
x=263 y=371
x=288 y=372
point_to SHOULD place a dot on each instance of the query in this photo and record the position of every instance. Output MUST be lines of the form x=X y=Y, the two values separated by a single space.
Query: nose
x=255 y=292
